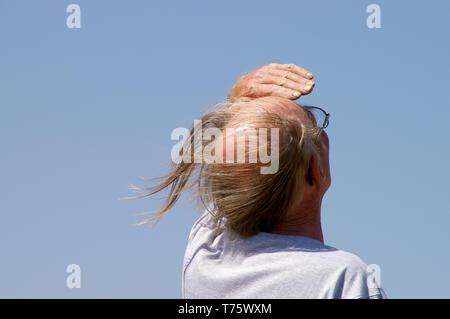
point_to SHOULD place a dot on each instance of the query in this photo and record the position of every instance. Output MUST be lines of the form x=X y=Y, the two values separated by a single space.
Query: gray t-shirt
x=219 y=264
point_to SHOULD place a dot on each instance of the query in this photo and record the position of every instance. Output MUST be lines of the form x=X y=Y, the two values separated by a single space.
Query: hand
x=285 y=80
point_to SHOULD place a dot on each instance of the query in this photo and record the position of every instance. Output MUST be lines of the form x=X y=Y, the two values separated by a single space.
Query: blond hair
x=236 y=194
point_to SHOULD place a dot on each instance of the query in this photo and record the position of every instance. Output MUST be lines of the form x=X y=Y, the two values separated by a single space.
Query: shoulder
x=352 y=262
x=205 y=221
x=359 y=280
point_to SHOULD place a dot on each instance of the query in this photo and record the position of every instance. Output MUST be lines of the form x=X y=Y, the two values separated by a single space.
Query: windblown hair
x=237 y=194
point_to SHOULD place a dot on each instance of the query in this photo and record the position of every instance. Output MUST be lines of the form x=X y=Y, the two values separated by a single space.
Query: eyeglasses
x=318 y=116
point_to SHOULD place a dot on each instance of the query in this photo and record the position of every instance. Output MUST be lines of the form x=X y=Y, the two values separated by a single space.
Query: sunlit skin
x=283 y=80
x=304 y=217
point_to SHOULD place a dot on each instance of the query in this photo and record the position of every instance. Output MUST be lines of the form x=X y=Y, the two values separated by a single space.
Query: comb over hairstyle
x=238 y=195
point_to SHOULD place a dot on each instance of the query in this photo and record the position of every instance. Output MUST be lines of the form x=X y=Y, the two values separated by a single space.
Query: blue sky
x=87 y=112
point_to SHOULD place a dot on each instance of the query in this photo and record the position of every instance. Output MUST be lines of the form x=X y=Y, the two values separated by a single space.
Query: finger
x=295 y=69
x=276 y=90
x=289 y=75
x=303 y=84
x=285 y=82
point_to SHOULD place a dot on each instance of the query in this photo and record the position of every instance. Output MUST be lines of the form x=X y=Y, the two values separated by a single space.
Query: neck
x=302 y=221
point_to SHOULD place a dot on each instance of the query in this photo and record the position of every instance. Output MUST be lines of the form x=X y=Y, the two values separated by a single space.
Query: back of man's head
x=249 y=163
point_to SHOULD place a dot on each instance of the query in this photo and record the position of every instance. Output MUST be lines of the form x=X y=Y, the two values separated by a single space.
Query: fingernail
x=296 y=94
x=310 y=75
x=308 y=87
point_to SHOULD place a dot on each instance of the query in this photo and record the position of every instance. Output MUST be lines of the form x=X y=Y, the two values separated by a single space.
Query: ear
x=315 y=175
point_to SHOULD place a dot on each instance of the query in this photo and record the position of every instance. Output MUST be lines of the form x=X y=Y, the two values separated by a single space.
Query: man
x=261 y=235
